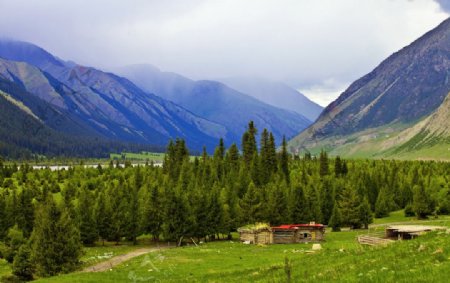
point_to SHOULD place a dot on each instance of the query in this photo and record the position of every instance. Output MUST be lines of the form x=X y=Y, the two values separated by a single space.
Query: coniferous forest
x=47 y=216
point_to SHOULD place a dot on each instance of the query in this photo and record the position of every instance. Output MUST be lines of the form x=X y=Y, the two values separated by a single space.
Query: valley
x=210 y=165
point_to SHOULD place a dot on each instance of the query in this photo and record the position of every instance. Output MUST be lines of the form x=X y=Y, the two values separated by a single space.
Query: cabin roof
x=297 y=226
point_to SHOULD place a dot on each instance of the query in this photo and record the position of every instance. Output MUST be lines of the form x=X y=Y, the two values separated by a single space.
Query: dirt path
x=110 y=263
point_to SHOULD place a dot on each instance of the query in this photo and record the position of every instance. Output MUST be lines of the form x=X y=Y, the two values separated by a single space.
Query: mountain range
x=218 y=102
x=87 y=102
x=392 y=110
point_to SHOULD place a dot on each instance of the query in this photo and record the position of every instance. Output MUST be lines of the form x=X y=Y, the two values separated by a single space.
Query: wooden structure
x=298 y=233
x=406 y=232
x=259 y=233
x=283 y=234
x=373 y=240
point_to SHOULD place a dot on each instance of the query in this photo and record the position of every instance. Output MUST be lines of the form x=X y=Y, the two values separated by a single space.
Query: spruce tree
x=349 y=207
x=277 y=204
x=4 y=223
x=102 y=215
x=335 y=219
x=298 y=206
x=422 y=205
x=337 y=166
x=251 y=204
x=55 y=241
x=249 y=147
x=22 y=266
x=382 y=206
x=365 y=213
x=328 y=199
x=88 y=225
x=284 y=161
x=323 y=163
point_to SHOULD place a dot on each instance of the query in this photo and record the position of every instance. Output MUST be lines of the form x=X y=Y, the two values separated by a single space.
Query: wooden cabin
x=298 y=233
x=283 y=234
x=259 y=233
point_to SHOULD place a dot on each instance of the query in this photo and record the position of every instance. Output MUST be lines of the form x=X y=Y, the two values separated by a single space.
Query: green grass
x=99 y=253
x=426 y=259
x=143 y=156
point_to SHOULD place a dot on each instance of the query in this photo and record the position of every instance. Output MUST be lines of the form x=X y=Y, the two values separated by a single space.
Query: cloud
x=301 y=42
x=445 y=5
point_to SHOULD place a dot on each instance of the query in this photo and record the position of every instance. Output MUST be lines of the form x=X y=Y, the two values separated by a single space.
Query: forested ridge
x=46 y=216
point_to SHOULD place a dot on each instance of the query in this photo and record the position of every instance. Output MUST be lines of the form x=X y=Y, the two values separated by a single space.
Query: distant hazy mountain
x=405 y=88
x=217 y=102
x=275 y=93
x=111 y=106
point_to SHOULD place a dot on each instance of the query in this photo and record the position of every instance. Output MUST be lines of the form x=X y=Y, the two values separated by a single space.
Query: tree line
x=47 y=216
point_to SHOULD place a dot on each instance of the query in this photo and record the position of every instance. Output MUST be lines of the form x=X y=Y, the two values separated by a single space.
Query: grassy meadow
x=426 y=259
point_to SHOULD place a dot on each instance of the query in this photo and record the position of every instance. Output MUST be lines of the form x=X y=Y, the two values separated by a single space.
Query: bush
x=409 y=211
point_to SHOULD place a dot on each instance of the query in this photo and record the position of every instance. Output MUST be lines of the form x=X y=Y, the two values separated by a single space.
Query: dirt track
x=110 y=263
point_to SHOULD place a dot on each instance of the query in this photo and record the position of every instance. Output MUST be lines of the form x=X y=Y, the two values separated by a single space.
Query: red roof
x=296 y=226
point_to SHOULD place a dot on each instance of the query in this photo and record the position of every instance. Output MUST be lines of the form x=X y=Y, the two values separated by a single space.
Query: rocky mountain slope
x=405 y=88
x=110 y=105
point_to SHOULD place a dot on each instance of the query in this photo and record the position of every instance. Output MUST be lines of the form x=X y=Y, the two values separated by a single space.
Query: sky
x=318 y=47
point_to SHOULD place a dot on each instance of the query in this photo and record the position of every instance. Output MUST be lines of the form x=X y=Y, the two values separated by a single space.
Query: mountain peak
x=406 y=87
x=21 y=51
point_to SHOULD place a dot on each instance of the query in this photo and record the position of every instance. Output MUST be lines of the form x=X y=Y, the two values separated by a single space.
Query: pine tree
x=249 y=147
x=55 y=241
x=323 y=163
x=284 y=161
x=151 y=212
x=88 y=225
x=22 y=266
x=422 y=205
x=328 y=200
x=133 y=215
x=251 y=204
x=335 y=219
x=337 y=166
x=277 y=204
x=365 y=213
x=314 y=205
x=349 y=207
x=382 y=206
x=25 y=212
x=102 y=215
x=298 y=206
x=4 y=223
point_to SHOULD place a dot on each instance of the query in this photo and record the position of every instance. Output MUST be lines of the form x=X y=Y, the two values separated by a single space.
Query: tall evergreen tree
x=365 y=213
x=298 y=206
x=349 y=207
x=88 y=225
x=324 y=170
x=22 y=266
x=251 y=204
x=422 y=205
x=335 y=221
x=102 y=215
x=284 y=161
x=249 y=147
x=55 y=241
